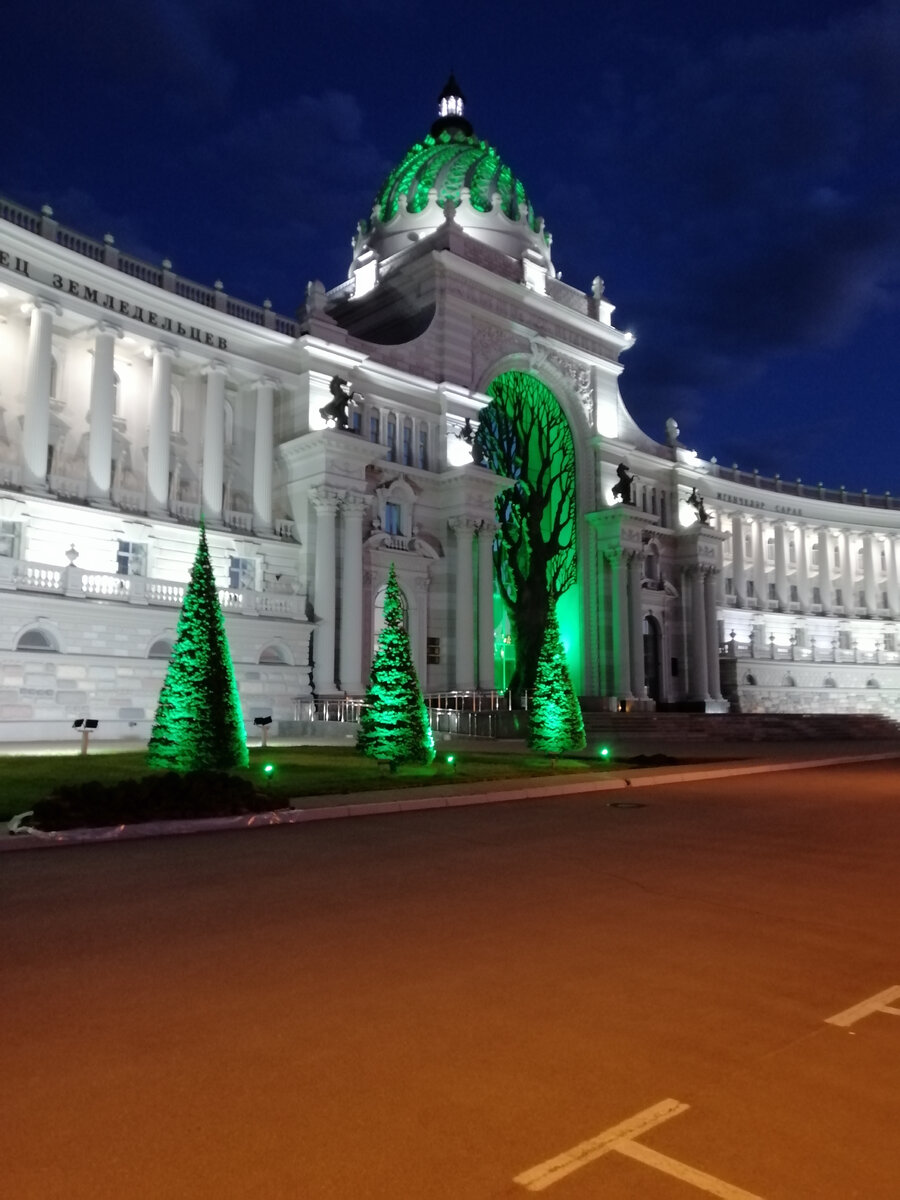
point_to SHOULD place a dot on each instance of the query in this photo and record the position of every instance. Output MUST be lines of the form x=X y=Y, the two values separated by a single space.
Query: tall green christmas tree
x=198 y=722
x=556 y=721
x=394 y=725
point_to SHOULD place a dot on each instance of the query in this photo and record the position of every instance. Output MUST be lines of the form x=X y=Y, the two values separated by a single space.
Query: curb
x=540 y=789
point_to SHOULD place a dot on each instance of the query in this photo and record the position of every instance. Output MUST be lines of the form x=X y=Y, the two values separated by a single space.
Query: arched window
x=274 y=654
x=37 y=639
x=177 y=411
x=161 y=648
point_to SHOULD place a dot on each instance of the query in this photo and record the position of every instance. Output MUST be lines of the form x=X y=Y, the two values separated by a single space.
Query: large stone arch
x=528 y=580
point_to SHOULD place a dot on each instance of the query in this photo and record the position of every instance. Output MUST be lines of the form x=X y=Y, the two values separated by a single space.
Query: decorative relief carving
x=492 y=342
x=579 y=376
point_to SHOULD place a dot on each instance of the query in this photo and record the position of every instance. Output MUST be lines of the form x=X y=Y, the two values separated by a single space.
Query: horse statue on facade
x=696 y=501
x=336 y=408
x=623 y=488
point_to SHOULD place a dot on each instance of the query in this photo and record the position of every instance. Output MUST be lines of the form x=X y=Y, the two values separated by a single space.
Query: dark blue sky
x=733 y=173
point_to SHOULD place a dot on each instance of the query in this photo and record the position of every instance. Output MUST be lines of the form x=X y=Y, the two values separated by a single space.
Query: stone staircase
x=741 y=727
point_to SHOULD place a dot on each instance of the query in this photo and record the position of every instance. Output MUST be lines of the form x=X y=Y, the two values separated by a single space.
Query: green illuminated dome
x=451 y=166
x=450 y=163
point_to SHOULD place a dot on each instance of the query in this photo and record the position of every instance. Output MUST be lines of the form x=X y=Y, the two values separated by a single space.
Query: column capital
x=262 y=381
x=110 y=327
x=463 y=525
x=354 y=505
x=44 y=304
x=325 y=500
x=165 y=350
x=488 y=528
x=215 y=367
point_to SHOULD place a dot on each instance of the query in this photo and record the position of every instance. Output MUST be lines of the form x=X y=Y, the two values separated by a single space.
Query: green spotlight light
x=604 y=751
x=451 y=759
x=269 y=769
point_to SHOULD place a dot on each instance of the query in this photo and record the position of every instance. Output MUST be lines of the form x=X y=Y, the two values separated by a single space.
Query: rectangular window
x=861 y=598
x=392 y=439
x=748 y=545
x=890 y=643
x=795 y=594
x=9 y=539
x=817 y=595
x=751 y=589
x=814 y=556
x=883 y=561
x=792 y=552
x=772 y=595
x=770 y=550
x=837 y=557
x=729 y=587
x=884 y=600
x=356 y=421
x=131 y=558
x=392 y=518
x=844 y=642
x=839 y=597
x=374 y=428
x=423 y=449
x=241 y=574
x=433 y=652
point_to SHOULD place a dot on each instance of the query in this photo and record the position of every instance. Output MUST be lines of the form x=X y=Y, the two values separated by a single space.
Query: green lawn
x=299 y=771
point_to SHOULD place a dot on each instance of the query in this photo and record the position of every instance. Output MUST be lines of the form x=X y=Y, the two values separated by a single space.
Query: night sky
x=731 y=171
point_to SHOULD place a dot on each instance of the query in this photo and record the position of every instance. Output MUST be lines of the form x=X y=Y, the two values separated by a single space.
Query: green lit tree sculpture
x=198 y=723
x=394 y=725
x=556 y=721
x=523 y=434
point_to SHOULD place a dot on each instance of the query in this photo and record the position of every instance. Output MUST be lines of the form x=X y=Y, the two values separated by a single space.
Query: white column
x=712 y=635
x=486 y=606
x=36 y=427
x=737 y=559
x=699 y=637
x=353 y=510
x=870 y=548
x=160 y=440
x=214 y=441
x=892 y=549
x=760 y=581
x=263 y=452
x=802 y=567
x=848 y=571
x=636 y=624
x=325 y=501
x=621 y=641
x=102 y=411
x=465 y=605
x=781 y=584
x=824 y=570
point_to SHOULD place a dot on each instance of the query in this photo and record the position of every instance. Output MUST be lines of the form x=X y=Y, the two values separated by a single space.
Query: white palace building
x=133 y=400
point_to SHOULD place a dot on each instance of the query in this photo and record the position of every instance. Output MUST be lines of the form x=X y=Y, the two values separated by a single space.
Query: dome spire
x=451 y=103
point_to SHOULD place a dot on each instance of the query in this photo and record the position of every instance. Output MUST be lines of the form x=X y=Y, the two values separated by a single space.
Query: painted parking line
x=620 y=1138
x=875 y=1004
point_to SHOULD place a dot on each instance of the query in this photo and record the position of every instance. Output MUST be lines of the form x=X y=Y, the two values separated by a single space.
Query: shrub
x=162 y=797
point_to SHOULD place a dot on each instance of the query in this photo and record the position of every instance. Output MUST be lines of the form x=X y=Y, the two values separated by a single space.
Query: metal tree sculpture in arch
x=524 y=434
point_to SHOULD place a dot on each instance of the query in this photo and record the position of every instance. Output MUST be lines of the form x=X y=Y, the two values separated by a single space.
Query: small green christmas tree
x=393 y=725
x=556 y=722
x=198 y=723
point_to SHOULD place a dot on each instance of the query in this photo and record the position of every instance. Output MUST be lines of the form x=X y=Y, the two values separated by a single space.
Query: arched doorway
x=652 y=658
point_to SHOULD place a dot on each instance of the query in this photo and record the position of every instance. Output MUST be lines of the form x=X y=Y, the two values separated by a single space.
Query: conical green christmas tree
x=393 y=725
x=198 y=723
x=556 y=721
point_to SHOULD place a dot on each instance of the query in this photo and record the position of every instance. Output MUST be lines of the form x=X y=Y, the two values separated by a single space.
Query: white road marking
x=671 y=1166
x=620 y=1138
x=879 y=1003
x=541 y=1176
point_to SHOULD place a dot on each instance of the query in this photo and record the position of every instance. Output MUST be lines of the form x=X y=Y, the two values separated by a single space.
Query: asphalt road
x=444 y=1004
